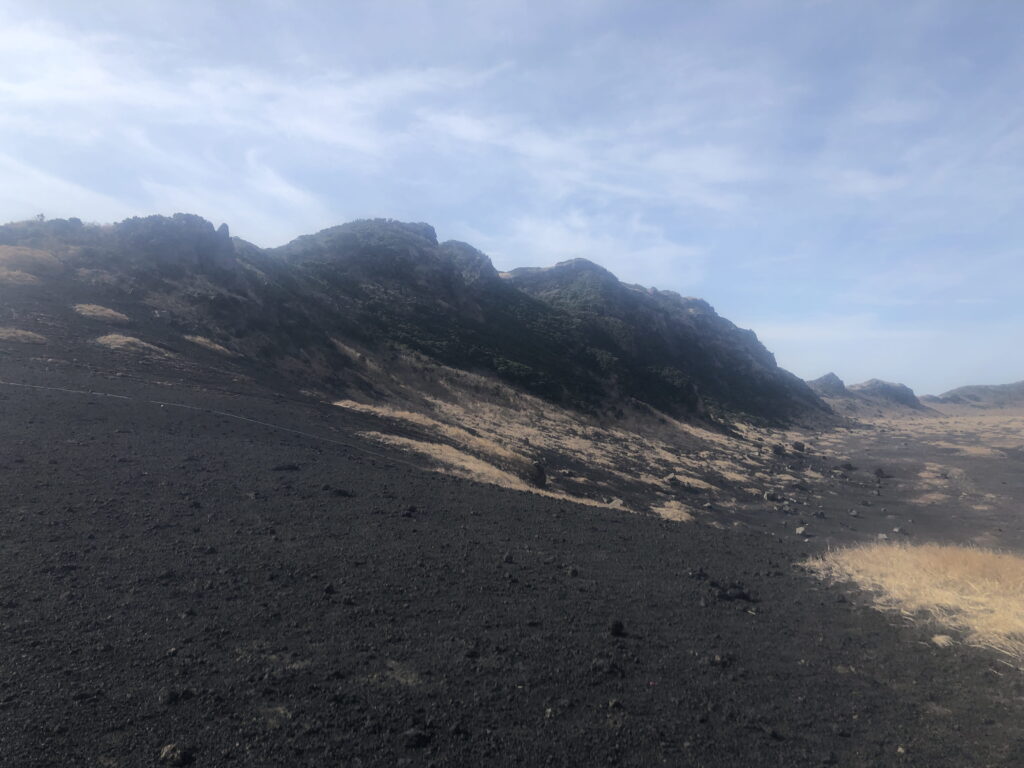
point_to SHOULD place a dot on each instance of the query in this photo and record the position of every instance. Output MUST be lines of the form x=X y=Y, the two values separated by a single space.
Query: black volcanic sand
x=259 y=597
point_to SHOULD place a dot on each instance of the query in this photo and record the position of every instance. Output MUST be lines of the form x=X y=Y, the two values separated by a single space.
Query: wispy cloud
x=851 y=161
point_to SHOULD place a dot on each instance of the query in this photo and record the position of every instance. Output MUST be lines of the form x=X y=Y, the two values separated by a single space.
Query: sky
x=844 y=177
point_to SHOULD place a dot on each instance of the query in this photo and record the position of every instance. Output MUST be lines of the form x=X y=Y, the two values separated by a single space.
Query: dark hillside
x=572 y=334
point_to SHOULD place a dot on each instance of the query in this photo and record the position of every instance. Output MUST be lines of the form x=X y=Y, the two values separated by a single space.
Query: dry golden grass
x=129 y=344
x=26 y=258
x=96 y=312
x=16 y=277
x=25 y=337
x=979 y=592
x=465 y=465
x=673 y=510
x=454 y=433
x=210 y=344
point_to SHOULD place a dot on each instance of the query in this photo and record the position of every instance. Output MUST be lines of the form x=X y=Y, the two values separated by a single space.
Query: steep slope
x=662 y=347
x=312 y=310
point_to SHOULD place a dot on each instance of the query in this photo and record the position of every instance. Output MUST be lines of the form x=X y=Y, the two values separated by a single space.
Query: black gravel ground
x=182 y=587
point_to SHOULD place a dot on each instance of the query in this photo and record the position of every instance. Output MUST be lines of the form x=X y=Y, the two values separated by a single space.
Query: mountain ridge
x=572 y=333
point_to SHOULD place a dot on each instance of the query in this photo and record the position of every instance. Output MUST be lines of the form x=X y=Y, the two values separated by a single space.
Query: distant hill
x=994 y=395
x=889 y=392
x=573 y=333
x=873 y=393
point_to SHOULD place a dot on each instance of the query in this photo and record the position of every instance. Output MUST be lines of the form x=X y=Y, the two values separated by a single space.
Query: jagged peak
x=473 y=264
x=829 y=385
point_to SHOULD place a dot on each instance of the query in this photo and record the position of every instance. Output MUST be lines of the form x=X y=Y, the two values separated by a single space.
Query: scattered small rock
x=617 y=629
x=175 y=754
x=883 y=537
x=799 y=446
x=734 y=591
x=779 y=450
x=415 y=738
x=166 y=697
x=538 y=475
x=285 y=468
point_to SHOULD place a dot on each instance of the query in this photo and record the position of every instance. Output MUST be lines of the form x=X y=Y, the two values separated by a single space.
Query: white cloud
x=27 y=191
x=636 y=252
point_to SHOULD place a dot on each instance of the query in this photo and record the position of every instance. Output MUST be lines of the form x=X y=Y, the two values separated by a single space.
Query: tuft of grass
x=210 y=344
x=975 y=591
x=16 y=277
x=673 y=510
x=96 y=312
x=129 y=344
x=16 y=334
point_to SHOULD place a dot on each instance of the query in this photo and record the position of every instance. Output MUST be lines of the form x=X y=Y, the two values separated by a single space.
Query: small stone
x=801 y=530
x=175 y=754
x=883 y=537
x=415 y=738
x=508 y=558
x=617 y=629
x=166 y=697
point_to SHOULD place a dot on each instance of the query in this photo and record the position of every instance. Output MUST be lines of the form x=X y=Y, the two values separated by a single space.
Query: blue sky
x=844 y=177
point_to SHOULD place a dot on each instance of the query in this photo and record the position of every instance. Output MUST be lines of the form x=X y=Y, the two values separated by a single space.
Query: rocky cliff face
x=572 y=333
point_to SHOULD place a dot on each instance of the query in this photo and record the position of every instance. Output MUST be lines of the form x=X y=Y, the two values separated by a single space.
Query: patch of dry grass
x=129 y=344
x=673 y=510
x=25 y=337
x=96 y=312
x=469 y=467
x=976 y=591
x=211 y=345
x=454 y=433
x=16 y=277
x=26 y=258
